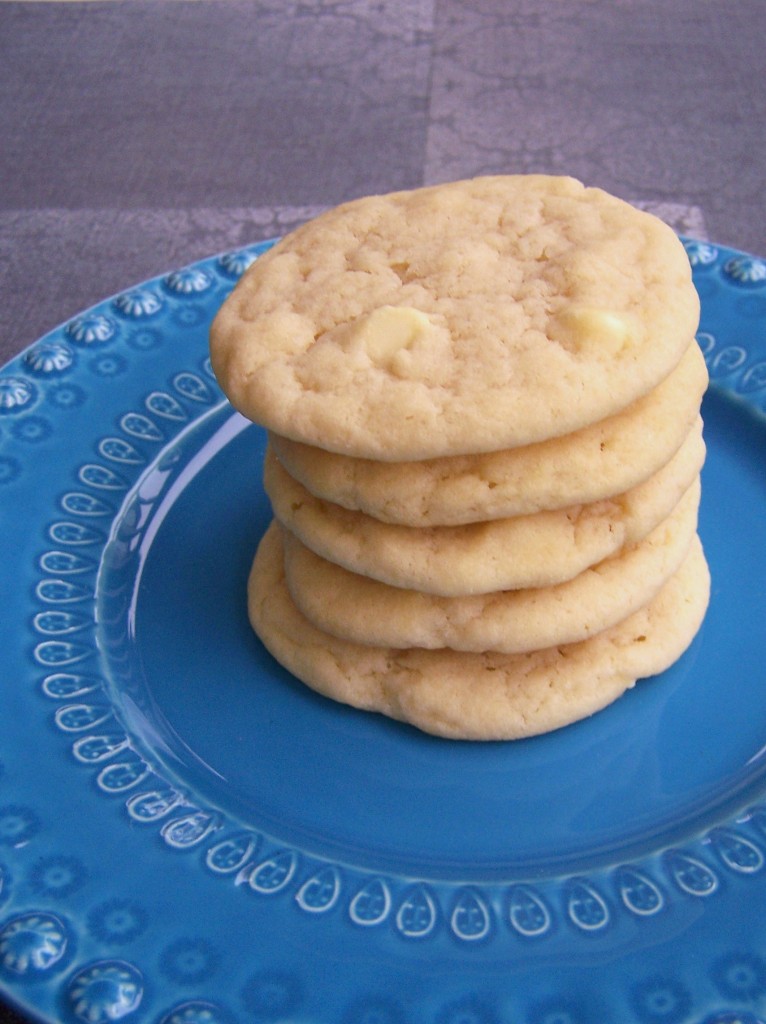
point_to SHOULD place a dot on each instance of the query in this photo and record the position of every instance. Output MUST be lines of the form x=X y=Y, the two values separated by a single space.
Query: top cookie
x=456 y=319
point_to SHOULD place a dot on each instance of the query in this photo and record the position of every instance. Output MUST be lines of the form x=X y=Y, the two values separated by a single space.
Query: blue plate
x=190 y=836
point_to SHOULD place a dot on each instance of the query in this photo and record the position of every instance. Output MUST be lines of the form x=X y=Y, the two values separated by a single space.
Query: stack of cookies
x=483 y=403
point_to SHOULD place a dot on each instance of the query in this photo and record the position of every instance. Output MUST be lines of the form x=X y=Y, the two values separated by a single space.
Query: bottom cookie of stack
x=479 y=696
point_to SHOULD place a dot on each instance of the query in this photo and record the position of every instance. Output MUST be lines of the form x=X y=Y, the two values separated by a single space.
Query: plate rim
x=472 y=916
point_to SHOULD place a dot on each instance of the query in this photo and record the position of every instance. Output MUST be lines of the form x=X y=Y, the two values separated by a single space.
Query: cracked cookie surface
x=455 y=319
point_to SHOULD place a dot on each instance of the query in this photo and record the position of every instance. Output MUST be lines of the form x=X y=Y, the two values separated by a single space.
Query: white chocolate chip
x=585 y=330
x=388 y=330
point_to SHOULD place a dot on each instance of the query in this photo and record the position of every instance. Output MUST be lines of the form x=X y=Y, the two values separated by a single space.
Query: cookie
x=596 y=462
x=365 y=611
x=456 y=319
x=538 y=550
x=463 y=695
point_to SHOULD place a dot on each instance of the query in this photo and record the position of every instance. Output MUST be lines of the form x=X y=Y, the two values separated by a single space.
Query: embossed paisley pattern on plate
x=186 y=835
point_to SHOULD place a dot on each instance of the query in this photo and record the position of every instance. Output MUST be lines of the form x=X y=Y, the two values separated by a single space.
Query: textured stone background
x=139 y=135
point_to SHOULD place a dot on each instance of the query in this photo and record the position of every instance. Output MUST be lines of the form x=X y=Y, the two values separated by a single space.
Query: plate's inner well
x=203 y=699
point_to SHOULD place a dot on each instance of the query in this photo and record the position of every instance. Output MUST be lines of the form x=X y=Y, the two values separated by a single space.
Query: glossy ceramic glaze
x=189 y=835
